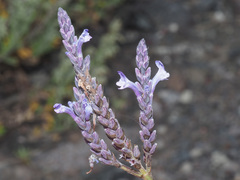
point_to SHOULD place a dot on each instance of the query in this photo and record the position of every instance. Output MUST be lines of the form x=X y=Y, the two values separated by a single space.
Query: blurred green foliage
x=2 y=130
x=27 y=30
x=89 y=11
x=23 y=154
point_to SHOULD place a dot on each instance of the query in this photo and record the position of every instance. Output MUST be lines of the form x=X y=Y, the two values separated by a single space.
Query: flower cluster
x=144 y=89
x=91 y=105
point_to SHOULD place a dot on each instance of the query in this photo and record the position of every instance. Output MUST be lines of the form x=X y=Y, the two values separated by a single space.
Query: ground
x=196 y=111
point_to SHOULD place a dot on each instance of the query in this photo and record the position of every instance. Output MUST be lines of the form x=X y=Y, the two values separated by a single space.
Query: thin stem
x=148 y=161
x=148 y=177
x=142 y=173
x=131 y=171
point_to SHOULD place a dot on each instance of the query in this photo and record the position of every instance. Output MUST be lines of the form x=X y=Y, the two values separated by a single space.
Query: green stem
x=148 y=177
x=142 y=173
x=131 y=171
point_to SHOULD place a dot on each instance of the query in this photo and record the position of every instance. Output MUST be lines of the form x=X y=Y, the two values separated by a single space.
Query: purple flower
x=84 y=37
x=124 y=82
x=59 y=108
x=160 y=75
x=87 y=108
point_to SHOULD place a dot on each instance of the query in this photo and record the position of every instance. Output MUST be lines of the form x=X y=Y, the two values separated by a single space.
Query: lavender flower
x=144 y=90
x=124 y=82
x=91 y=105
x=73 y=44
x=143 y=74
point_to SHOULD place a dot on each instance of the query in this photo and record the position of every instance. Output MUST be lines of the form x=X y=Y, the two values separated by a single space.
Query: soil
x=196 y=111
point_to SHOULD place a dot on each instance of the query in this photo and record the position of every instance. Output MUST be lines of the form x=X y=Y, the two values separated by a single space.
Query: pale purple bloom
x=59 y=108
x=87 y=108
x=84 y=37
x=93 y=159
x=124 y=82
x=160 y=75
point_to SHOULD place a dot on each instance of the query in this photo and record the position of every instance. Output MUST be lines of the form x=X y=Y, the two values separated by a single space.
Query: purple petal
x=110 y=133
x=147 y=145
x=103 y=144
x=63 y=33
x=145 y=131
x=141 y=102
x=153 y=148
x=84 y=37
x=67 y=46
x=88 y=109
x=138 y=75
x=104 y=111
x=160 y=76
x=95 y=137
x=103 y=121
x=147 y=74
x=70 y=104
x=136 y=152
x=59 y=108
x=71 y=57
x=86 y=63
x=150 y=124
x=142 y=58
x=141 y=135
x=119 y=133
x=112 y=124
x=153 y=136
x=100 y=90
x=106 y=154
x=124 y=82
x=127 y=151
x=81 y=124
x=107 y=162
x=88 y=137
x=96 y=147
x=76 y=93
x=118 y=142
x=93 y=159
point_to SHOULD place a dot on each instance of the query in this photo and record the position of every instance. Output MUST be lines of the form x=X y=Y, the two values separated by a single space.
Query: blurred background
x=197 y=111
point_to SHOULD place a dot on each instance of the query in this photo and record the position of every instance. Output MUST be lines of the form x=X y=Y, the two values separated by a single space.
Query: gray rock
x=186 y=168
x=186 y=97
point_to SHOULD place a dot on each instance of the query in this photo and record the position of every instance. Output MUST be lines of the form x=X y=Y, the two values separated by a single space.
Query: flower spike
x=146 y=86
